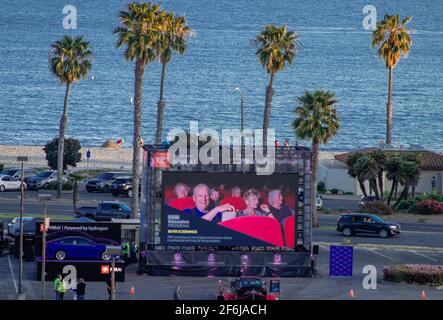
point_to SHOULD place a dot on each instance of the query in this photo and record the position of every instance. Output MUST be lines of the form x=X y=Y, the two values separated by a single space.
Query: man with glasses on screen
x=200 y=194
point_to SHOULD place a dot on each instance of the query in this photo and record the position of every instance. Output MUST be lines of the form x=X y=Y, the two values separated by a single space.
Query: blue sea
x=334 y=54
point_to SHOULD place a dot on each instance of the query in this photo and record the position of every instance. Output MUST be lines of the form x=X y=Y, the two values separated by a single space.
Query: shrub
x=405 y=205
x=71 y=153
x=377 y=207
x=414 y=273
x=67 y=185
x=431 y=196
x=334 y=191
x=321 y=187
x=429 y=207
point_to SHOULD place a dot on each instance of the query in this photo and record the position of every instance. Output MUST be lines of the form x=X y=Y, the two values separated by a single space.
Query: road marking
x=13 y=276
x=326 y=248
x=422 y=255
x=378 y=253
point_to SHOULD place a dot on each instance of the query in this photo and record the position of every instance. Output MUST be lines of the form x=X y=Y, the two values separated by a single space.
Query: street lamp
x=21 y=295
x=241 y=110
x=44 y=198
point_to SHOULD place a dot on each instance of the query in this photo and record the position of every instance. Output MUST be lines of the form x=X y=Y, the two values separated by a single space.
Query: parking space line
x=13 y=276
x=422 y=255
x=325 y=248
x=380 y=254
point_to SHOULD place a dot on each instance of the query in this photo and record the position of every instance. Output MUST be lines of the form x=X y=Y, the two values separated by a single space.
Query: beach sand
x=101 y=158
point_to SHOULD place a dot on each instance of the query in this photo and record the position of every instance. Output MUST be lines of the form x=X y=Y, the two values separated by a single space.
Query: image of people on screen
x=277 y=208
x=181 y=190
x=200 y=195
x=252 y=201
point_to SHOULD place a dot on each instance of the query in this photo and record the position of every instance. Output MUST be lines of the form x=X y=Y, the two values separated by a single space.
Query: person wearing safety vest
x=59 y=287
x=133 y=252
x=125 y=252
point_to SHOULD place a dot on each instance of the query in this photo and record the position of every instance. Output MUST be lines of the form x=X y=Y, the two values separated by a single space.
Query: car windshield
x=105 y=176
x=378 y=219
x=125 y=207
x=44 y=174
x=247 y=283
x=9 y=172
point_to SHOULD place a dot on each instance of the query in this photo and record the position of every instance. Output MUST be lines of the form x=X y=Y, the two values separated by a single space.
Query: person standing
x=125 y=252
x=433 y=184
x=81 y=289
x=133 y=252
x=59 y=287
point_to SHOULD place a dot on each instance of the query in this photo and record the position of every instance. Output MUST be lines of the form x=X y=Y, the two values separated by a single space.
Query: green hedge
x=68 y=185
x=414 y=273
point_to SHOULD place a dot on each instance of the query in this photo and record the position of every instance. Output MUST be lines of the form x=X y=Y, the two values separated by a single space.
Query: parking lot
x=317 y=288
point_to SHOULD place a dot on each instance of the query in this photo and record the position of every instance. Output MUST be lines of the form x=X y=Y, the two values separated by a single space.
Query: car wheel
x=130 y=193
x=106 y=257
x=2 y=188
x=347 y=232
x=46 y=185
x=383 y=233
x=105 y=189
x=115 y=194
x=60 y=255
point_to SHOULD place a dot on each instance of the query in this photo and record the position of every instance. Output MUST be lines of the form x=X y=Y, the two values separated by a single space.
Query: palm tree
x=138 y=32
x=380 y=158
x=393 y=38
x=393 y=166
x=368 y=170
x=172 y=38
x=70 y=60
x=317 y=120
x=355 y=171
x=276 y=47
x=408 y=176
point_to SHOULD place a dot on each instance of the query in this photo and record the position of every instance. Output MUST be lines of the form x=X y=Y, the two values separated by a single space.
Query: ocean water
x=334 y=54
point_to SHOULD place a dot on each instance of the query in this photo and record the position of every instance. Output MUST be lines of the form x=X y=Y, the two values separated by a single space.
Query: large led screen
x=228 y=209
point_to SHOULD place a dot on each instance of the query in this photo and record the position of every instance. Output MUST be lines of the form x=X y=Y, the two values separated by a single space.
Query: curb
x=384 y=247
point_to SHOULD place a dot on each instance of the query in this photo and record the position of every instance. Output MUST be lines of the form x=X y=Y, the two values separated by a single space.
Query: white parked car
x=9 y=183
x=319 y=202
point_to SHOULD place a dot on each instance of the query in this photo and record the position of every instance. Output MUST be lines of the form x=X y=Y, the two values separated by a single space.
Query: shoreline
x=101 y=158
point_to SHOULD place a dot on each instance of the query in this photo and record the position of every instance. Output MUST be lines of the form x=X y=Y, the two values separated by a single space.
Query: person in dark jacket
x=81 y=289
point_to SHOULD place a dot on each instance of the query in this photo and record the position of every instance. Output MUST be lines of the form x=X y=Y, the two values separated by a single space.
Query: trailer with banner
x=226 y=218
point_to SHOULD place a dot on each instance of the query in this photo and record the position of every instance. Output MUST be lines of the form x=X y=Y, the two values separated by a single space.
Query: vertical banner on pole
x=341 y=261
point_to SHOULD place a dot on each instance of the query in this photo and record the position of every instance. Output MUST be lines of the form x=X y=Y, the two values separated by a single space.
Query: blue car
x=76 y=247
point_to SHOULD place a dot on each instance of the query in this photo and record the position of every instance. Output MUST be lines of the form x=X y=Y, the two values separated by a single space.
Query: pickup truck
x=105 y=211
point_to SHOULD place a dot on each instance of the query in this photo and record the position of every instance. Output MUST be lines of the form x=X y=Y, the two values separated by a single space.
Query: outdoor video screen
x=228 y=209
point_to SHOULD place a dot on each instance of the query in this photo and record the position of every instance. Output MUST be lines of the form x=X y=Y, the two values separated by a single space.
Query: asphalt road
x=204 y=288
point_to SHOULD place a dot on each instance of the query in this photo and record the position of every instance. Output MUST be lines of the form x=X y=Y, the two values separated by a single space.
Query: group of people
x=60 y=288
x=208 y=202
x=129 y=252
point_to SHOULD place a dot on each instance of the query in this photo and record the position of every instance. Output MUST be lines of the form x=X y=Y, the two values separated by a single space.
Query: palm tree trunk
x=380 y=184
x=160 y=107
x=315 y=148
x=373 y=183
x=61 y=142
x=363 y=187
x=404 y=195
x=268 y=107
x=389 y=108
x=393 y=187
x=136 y=164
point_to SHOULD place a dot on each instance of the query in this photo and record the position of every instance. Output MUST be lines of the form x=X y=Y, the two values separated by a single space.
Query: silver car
x=43 y=179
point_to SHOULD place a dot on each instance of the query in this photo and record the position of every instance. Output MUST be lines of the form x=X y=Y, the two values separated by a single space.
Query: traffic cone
x=423 y=295
x=351 y=294
x=132 y=291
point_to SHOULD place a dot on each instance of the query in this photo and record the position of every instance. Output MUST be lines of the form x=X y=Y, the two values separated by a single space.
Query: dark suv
x=102 y=182
x=122 y=186
x=350 y=224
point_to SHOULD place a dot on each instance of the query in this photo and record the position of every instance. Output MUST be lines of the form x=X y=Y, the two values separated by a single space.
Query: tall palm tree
x=380 y=157
x=368 y=170
x=173 y=37
x=394 y=39
x=138 y=31
x=355 y=171
x=70 y=60
x=317 y=120
x=393 y=165
x=276 y=47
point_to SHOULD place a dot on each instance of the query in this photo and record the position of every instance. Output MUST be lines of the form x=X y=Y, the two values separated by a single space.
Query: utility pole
x=21 y=294
x=44 y=198
x=241 y=113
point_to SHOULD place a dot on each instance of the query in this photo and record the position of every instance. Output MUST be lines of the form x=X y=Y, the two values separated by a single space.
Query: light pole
x=44 y=198
x=21 y=295
x=241 y=113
